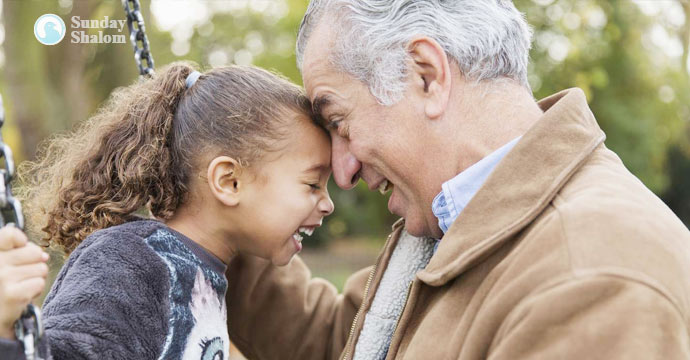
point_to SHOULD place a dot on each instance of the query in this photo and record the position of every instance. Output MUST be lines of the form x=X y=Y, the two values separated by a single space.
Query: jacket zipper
x=346 y=356
x=407 y=298
x=361 y=308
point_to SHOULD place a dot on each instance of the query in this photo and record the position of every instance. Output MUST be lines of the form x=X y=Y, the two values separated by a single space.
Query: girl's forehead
x=306 y=143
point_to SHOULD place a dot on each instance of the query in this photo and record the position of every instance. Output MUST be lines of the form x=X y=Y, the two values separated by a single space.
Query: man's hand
x=23 y=272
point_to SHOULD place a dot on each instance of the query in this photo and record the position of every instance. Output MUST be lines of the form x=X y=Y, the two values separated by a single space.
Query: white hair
x=487 y=39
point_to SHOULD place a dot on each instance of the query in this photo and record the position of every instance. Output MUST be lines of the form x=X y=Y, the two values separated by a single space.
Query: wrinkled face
x=383 y=145
x=287 y=195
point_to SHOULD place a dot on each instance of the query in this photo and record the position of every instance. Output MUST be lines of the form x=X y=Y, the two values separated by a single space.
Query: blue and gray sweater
x=135 y=291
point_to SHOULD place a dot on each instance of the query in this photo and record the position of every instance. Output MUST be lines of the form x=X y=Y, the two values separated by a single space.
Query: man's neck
x=492 y=115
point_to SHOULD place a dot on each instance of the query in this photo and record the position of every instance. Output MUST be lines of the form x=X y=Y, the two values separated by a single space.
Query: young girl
x=227 y=161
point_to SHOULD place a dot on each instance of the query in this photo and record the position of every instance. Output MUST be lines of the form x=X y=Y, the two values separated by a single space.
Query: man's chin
x=417 y=228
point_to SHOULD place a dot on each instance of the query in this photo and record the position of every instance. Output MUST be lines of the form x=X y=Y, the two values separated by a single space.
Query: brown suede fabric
x=562 y=254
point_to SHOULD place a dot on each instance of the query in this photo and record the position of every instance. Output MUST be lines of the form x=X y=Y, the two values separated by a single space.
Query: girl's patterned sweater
x=139 y=290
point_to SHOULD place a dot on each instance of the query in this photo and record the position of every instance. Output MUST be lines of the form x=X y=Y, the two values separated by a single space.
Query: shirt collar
x=457 y=192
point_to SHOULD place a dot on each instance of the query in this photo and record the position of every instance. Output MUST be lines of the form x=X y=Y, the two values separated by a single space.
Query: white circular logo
x=49 y=29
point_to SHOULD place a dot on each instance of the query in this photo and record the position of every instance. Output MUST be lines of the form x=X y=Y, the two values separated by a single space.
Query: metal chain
x=138 y=35
x=29 y=328
x=10 y=207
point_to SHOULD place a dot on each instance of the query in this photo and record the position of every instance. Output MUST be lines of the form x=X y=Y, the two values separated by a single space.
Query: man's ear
x=224 y=180
x=432 y=74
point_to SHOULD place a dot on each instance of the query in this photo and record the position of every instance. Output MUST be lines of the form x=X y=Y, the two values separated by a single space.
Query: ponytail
x=117 y=163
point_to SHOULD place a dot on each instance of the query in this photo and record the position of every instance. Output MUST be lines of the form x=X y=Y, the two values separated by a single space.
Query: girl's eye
x=315 y=186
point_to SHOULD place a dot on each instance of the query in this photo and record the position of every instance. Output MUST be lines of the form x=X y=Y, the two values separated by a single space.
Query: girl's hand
x=23 y=272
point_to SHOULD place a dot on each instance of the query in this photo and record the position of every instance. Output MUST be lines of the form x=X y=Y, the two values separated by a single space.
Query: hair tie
x=192 y=78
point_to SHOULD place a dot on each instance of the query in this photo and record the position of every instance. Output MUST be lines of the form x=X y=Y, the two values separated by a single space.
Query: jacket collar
x=520 y=187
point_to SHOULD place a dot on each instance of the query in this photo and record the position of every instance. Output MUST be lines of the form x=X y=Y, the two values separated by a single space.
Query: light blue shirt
x=457 y=192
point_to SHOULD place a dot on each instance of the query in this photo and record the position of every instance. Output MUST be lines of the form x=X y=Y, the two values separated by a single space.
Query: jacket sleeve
x=109 y=302
x=594 y=317
x=283 y=313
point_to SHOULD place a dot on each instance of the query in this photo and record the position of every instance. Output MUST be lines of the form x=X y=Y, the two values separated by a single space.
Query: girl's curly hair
x=139 y=151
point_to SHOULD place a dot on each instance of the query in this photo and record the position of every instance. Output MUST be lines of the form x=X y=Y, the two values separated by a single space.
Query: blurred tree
x=678 y=194
x=30 y=92
x=51 y=88
x=612 y=51
x=685 y=39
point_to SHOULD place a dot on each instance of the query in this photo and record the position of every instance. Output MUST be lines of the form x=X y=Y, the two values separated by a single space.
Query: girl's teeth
x=297 y=237
x=306 y=230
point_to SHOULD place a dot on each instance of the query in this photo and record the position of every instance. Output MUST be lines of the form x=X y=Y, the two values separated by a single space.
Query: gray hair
x=487 y=39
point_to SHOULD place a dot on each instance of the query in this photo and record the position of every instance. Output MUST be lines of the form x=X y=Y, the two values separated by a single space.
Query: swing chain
x=10 y=207
x=29 y=328
x=138 y=34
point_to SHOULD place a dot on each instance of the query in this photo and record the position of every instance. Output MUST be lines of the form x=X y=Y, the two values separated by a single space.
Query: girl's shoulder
x=112 y=290
x=129 y=237
x=132 y=231
x=115 y=242
x=143 y=242
x=112 y=254
x=166 y=243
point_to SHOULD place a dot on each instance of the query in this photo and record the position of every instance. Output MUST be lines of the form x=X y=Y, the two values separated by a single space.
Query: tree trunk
x=685 y=37
x=46 y=87
x=25 y=75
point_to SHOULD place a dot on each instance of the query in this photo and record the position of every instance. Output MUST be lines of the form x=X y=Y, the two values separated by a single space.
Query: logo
x=49 y=29
x=97 y=29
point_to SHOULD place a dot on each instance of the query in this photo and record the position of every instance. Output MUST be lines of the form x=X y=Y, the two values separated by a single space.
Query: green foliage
x=638 y=94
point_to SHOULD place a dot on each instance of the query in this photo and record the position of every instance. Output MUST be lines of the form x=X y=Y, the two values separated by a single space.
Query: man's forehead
x=324 y=82
x=316 y=62
x=315 y=71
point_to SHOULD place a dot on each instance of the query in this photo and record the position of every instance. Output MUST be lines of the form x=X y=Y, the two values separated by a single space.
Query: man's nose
x=345 y=166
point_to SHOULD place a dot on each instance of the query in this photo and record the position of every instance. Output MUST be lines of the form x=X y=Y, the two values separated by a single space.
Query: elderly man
x=522 y=235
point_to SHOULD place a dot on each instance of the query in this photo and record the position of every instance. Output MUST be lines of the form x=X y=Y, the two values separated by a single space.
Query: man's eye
x=337 y=128
x=334 y=124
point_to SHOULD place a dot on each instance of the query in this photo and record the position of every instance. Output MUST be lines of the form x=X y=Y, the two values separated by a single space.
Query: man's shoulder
x=607 y=221
x=604 y=198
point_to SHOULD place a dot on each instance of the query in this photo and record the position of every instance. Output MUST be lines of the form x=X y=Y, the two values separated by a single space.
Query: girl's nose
x=326 y=205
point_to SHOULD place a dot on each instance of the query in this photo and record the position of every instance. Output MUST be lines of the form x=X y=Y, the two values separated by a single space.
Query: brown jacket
x=562 y=254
